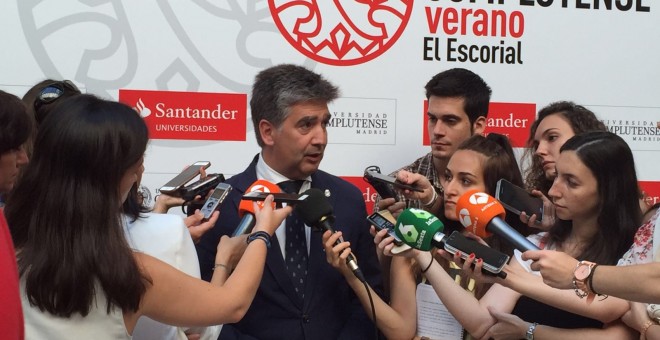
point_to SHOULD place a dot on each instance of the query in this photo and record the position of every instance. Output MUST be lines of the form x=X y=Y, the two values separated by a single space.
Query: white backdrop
x=380 y=57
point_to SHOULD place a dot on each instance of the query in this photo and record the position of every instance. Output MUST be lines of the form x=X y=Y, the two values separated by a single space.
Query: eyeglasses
x=50 y=94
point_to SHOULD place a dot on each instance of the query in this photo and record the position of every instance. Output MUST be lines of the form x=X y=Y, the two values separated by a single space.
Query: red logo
x=341 y=33
x=510 y=119
x=651 y=191
x=368 y=192
x=190 y=115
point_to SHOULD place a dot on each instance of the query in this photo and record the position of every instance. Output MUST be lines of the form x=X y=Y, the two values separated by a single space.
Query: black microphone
x=316 y=211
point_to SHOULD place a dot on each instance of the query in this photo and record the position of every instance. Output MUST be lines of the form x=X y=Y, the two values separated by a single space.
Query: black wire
x=373 y=308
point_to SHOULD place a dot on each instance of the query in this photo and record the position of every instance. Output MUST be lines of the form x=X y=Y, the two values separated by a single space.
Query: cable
x=373 y=309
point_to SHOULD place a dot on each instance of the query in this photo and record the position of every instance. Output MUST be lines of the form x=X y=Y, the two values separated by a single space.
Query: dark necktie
x=295 y=248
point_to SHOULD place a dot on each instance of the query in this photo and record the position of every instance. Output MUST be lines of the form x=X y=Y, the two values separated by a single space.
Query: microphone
x=316 y=211
x=246 y=207
x=420 y=229
x=482 y=214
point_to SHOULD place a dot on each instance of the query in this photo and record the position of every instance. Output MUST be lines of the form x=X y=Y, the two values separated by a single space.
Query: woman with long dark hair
x=79 y=278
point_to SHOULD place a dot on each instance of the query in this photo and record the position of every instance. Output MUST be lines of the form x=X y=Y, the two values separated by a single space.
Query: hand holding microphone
x=317 y=213
x=422 y=230
x=246 y=207
x=482 y=214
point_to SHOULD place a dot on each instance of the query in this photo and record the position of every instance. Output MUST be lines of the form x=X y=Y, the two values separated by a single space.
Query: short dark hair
x=15 y=125
x=462 y=83
x=611 y=162
x=279 y=87
x=578 y=117
x=64 y=214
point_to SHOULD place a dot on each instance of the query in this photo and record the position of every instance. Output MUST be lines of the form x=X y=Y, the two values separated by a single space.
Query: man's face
x=10 y=163
x=449 y=125
x=295 y=149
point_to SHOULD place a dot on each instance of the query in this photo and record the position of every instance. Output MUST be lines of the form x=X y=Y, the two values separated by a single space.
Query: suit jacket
x=330 y=309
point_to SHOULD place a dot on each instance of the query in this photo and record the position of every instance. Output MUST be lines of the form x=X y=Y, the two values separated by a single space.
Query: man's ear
x=266 y=130
x=479 y=125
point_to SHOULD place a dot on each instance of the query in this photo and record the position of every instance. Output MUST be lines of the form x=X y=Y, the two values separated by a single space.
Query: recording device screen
x=376 y=176
x=184 y=177
x=213 y=202
x=380 y=223
x=494 y=261
x=517 y=199
x=280 y=197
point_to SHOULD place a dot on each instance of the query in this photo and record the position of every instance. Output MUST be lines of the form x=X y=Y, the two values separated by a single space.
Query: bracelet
x=646 y=327
x=221 y=266
x=429 y=266
x=590 y=283
x=529 y=335
x=260 y=235
x=433 y=199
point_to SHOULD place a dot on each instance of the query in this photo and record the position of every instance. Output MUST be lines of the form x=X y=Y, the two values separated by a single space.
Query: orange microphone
x=246 y=207
x=483 y=215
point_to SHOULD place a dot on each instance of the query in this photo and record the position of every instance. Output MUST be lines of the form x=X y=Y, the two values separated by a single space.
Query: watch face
x=582 y=272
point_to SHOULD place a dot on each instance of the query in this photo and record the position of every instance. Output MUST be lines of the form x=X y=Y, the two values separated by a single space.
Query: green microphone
x=420 y=229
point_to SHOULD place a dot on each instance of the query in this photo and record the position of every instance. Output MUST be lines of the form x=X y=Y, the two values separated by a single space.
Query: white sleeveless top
x=97 y=325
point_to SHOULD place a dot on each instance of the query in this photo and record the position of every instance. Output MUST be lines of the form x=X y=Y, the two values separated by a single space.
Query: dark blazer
x=330 y=309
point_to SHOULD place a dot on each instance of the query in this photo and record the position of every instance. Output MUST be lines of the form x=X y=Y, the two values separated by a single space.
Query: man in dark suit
x=299 y=297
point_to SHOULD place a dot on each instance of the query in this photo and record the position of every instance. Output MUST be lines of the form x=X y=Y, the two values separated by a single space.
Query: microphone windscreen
x=314 y=208
x=416 y=228
x=476 y=209
x=247 y=206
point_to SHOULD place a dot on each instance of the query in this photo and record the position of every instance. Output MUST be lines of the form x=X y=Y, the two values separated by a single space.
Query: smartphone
x=213 y=202
x=517 y=199
x=280 y=197
x=384 y=220
x=383 y=189
x=200 y=187
x=494 y=260
x=371 y=175
x=184 y=177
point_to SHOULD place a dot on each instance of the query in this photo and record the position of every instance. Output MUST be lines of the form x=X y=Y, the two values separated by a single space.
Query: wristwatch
x=581 y=274
x=530 y=331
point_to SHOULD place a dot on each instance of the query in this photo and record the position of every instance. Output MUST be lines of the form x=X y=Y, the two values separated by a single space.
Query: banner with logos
x=187 y=67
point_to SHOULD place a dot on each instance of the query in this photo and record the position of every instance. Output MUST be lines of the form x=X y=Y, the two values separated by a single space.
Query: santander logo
x=142 y=109
x=341 y=33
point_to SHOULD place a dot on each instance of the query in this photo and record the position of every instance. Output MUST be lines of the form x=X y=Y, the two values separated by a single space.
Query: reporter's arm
x=604 y=310
x=510 y=326
x=638 y=282
x=396 y=321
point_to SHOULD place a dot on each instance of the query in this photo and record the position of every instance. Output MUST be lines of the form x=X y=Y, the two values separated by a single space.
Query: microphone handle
x=502 y=229
x=245 y=226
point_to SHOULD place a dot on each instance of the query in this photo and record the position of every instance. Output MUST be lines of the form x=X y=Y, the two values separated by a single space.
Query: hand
x=418 y=181
x=391 y=205
x=556 y=267
x=471 y=267
x=230 y=250
x=268 y=218
x=197 y=226
x=636 y=317
x=385 y=244
x=164 y=202
x=336 y=254
x=507 y=326
x=548 y=218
